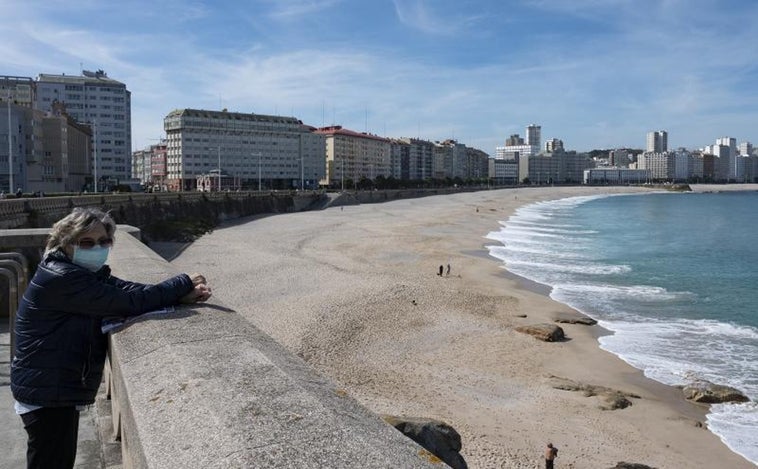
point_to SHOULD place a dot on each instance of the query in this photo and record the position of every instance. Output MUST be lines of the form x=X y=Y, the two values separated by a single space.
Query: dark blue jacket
x=60 y=350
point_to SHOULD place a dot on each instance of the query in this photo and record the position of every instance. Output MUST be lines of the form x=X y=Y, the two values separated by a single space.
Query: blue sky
x=594 y=73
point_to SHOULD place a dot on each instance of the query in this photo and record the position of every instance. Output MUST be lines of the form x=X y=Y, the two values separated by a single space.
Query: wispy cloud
x=289 y=9
x=593 y=73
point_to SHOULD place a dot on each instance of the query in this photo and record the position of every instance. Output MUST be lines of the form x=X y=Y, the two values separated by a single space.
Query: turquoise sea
x=674 y=276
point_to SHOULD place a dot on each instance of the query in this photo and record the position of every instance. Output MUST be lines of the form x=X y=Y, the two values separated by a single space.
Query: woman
x=60 y=349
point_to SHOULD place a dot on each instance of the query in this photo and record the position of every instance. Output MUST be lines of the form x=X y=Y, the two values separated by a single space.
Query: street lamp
x=259 y=171
x=94 y=152
x=219 y=167
x=10 y=148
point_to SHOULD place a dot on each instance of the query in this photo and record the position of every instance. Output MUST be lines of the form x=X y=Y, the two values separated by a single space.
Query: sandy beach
x=355 y=293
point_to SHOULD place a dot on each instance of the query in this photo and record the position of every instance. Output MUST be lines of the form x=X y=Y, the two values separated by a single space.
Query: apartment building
x=411 y=158
x=104 y=104
x=66 y=160
x=260 y=151
x=354 y=155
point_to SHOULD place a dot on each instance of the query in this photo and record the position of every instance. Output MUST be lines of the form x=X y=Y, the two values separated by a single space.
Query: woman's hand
x=197 y=279
x=200 y=293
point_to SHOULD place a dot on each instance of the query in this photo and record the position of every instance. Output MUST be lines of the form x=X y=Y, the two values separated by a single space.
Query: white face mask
x=92 y=259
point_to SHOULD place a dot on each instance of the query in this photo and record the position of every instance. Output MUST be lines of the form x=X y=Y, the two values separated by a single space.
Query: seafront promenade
x=202 y=387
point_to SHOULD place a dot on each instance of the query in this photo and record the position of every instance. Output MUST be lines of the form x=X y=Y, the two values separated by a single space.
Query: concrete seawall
x=202 y=387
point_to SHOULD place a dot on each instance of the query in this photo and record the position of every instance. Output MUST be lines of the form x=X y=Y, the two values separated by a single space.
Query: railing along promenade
x=204 y=388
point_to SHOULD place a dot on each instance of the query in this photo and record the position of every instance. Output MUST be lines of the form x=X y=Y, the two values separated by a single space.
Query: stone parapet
x=203 y=387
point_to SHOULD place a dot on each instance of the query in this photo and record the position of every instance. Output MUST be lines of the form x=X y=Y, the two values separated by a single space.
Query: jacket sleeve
x=77 y=291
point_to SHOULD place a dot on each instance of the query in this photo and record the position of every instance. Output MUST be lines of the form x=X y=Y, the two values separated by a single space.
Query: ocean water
x=674 y=276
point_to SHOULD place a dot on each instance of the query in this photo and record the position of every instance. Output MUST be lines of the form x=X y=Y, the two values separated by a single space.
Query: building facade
x=416 y=158
x=354 y=155
x=602 y=176
x=657 y=141
x=260 y=151
x=102 y=103
x=534 y=135
x=65 y=163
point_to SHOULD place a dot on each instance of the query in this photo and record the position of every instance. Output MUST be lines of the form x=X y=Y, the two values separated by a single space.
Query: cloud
x=290 y=9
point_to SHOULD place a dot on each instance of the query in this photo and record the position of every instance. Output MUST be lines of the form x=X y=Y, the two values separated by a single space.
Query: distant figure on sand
x=551 y=452
x=448 y=270
x=442 y=269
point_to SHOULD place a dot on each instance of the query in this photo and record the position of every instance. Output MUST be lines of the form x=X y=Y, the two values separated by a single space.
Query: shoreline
x=404 y=341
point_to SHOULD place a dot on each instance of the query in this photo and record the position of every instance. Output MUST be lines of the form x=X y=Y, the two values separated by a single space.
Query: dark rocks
x=709 y=393
x=615 y=401
x=545 y=332
x=574 y=318
x=437 y=437
x=630 y=465
x=612 y=399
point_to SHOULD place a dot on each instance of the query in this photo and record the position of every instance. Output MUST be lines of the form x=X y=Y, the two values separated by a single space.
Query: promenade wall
x=202 y=387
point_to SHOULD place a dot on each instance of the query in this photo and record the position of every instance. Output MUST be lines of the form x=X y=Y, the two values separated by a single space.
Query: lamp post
x=259 y=171
x=10 y=148
x=219 y=167
x=94 y=152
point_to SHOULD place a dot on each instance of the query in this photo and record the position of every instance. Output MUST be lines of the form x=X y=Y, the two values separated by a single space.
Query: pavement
x=12 y=434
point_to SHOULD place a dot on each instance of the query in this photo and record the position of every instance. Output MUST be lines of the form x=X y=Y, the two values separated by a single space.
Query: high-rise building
x=727 y=157
x=554 y=145
x=105 y=105
x=745 y=149
x=534 y=136
x=657 y=141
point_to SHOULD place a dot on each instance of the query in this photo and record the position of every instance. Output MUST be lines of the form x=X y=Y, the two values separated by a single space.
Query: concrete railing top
x=203 y=387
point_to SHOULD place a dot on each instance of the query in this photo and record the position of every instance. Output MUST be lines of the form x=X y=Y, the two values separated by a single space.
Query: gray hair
x=66 y=230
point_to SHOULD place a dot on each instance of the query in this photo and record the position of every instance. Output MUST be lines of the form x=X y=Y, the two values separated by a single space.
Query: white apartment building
x=661 y=165
x=260 y=151
x=502 y=171
x=105 y=105
x=745 y=149
x=354 y=155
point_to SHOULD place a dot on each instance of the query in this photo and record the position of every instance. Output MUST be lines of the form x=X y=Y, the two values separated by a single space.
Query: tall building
x=256 y=150
x=534 y=136
x=728 y=158
x=416 y=158
x=354 y=155
x=104 y=104
x=554 y=145
x=745 y=149
x=657 y=141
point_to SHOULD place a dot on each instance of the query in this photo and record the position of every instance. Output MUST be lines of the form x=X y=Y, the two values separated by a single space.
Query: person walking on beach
x=551 y=452
x=60 y=349
x=447 y=274
x=442 y=269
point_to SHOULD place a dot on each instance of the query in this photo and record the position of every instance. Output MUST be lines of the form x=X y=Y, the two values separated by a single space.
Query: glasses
x=89 y=243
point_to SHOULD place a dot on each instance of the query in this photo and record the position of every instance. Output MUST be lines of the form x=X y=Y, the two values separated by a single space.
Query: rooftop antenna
x=323 y=119
x=366 y=125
